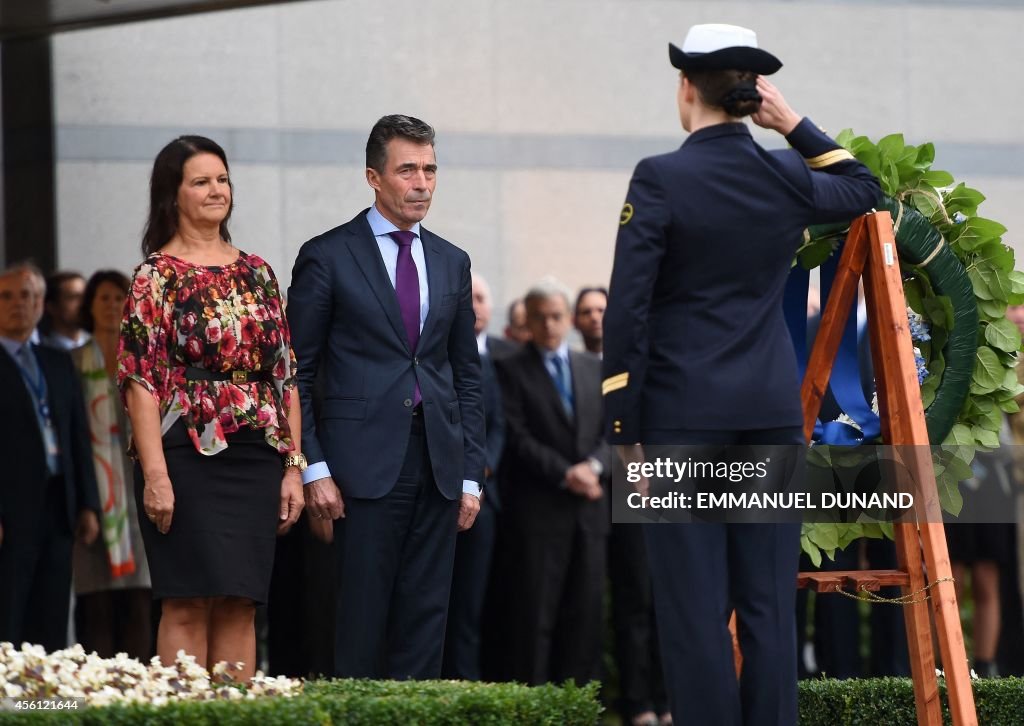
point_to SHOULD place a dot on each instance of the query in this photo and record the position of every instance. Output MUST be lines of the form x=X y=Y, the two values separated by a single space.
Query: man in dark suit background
x=642 y=696
x=48 y=492
x=558 y=515
x=474 y=549
x=483 y=305
x=516 y=331
x=386 y=307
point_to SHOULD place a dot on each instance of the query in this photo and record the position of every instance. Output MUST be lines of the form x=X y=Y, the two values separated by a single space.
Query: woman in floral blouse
x=208 y=377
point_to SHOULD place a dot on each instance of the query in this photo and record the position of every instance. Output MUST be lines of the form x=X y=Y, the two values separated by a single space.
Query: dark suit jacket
x=694 y=331
x=344 y=315
x=23 y=485
x=501 y=348
x=542 y=442
x=494 y=413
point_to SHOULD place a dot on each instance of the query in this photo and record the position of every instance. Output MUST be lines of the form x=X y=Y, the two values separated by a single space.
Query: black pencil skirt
x=224 y=528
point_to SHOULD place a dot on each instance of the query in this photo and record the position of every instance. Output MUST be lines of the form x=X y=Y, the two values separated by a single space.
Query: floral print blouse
x=222 y=318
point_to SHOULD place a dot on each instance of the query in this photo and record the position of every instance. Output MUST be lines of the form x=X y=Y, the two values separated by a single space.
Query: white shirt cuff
x=319 y=470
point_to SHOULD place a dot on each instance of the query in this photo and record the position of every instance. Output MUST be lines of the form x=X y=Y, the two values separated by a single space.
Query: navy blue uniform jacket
x=346 y=323
x=694 y=331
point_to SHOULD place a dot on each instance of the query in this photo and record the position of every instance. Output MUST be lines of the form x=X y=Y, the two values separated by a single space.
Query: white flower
x=29 y=672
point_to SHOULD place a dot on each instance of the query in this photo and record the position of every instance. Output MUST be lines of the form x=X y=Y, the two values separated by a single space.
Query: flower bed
x=31 y=673
x=124 y=691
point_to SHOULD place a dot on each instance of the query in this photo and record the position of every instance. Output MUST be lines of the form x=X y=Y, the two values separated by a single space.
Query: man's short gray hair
x=25 y=266
x=546 y=289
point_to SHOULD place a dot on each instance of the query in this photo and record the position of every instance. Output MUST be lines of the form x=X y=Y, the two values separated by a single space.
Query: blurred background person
x=48 y=489
x=981 y=550
x=559 y=516
x=590 y=305
x=642 y=699
x=208 y=376
x=483 y=306
x=474 y=548
x=113 y=611
x=62 y=325
x=978 y=552
x=516 y=329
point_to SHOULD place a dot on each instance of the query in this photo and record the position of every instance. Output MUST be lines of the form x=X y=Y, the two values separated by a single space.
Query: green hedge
x=890 y=701
x=824 y=702
x=357 y=703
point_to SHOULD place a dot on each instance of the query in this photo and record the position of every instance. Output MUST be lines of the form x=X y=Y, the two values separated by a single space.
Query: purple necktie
x=407 y=287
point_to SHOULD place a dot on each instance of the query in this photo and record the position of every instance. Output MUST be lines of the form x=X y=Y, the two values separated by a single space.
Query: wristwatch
x=297 y=460
x=596 y=466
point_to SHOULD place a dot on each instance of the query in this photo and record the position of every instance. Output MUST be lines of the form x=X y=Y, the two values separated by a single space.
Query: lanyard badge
x=39 y=393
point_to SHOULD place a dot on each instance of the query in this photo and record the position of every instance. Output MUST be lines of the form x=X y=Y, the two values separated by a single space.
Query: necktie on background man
x=561 y=379
x=407 y=288
x=36 y=383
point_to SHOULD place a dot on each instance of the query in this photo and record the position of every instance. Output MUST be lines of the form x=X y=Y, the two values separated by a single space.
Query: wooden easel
x=923 y=559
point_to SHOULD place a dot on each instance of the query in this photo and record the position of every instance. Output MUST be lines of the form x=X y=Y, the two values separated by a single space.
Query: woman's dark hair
x=391 y=127
x=168 y=170
x=114 y=277
x=733 y=91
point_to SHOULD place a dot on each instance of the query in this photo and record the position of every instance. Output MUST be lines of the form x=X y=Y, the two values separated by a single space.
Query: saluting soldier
x=697 y=352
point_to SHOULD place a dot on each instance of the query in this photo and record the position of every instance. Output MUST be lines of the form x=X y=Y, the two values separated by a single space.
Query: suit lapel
x=435 y=277
x=363 y=246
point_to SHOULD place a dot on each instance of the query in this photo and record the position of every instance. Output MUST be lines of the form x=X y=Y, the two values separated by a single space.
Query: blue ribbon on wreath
x=844 y=381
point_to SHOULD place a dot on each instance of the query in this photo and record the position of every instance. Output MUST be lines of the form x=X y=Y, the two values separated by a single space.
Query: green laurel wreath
x=960 y=277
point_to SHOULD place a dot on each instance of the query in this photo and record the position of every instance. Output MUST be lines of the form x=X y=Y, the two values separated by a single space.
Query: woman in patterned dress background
x=112 y=588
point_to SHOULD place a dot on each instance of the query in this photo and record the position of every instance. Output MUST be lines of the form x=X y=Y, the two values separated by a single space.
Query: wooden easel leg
x=919 y=628
x=916 y=617
x=906 y=428
x=947 y=621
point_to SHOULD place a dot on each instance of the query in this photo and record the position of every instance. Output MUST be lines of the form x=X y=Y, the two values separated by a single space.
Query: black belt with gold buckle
x=237 y=377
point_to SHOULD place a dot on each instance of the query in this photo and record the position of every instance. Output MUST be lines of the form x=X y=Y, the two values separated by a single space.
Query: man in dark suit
x=555 y=460
x=48 y=492
x=474 y=549
x=385 y=308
